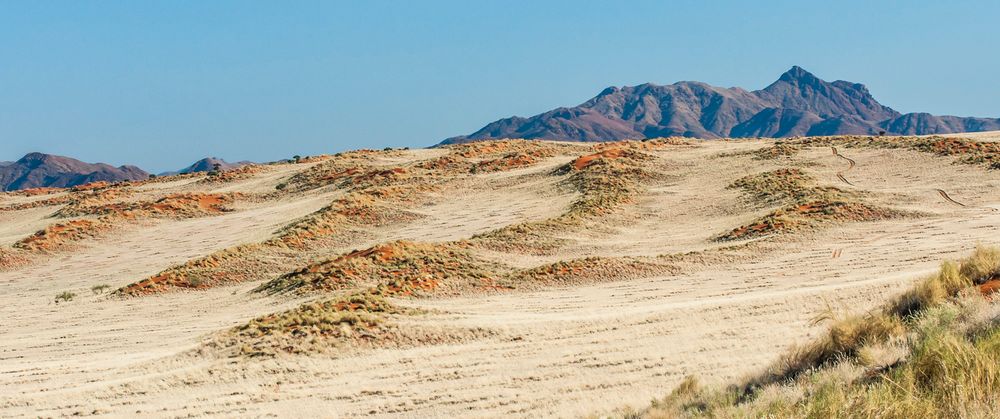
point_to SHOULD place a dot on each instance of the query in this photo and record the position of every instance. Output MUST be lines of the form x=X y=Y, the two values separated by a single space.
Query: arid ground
x=501 y=278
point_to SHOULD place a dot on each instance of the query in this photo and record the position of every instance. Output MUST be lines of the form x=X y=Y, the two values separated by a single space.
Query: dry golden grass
x=946 y=361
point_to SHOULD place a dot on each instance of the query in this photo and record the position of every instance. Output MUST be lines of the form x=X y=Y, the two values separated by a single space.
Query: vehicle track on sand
x=840 y=175
x=948 y=198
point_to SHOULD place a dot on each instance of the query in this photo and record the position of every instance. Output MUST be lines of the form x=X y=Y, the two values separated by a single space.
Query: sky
x=161 y=84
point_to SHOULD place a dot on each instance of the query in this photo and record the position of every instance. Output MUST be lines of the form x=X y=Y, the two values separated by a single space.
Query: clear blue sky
x=163 y=83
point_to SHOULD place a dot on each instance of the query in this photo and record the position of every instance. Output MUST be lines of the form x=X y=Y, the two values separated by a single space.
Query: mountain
x=798 y=103
x=207 y=164
x=6 y=163
x=36 y=170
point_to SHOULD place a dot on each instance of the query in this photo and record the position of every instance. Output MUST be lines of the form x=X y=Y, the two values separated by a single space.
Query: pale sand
x=564 y=351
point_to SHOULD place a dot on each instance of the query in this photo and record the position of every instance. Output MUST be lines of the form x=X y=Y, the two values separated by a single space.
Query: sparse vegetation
x=392 y=269
x=341 y=324
x=932 y=352
x=65 y=296
x=100 y=288
x=606 y=181
x=986 y=153
x=805 y=204
x=777 y=150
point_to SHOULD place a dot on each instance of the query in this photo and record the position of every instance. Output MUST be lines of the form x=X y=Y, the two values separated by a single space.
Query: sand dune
x=584 y=339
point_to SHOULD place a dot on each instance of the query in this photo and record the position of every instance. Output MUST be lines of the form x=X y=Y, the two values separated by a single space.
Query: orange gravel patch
x=584 y=161
x=59 y=235
x=91 y=186
x=990 y=287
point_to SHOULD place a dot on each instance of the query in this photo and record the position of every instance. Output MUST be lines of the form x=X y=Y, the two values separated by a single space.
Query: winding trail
x=840 y=175
x=948 y=198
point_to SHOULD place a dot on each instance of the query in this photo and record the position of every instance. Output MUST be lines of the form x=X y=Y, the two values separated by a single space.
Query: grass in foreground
x=932 y=352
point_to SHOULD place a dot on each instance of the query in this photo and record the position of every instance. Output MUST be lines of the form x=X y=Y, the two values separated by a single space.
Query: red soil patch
x=59 y=235
x=584 y=161
x=91 y=186
x=382 y=253
x=990 y=287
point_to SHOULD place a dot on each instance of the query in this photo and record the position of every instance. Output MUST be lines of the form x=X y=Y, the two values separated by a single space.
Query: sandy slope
x=558 y=351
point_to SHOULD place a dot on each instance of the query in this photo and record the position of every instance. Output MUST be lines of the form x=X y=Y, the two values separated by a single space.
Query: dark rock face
x=925 y=123
x=36 y=170
x=798 y=103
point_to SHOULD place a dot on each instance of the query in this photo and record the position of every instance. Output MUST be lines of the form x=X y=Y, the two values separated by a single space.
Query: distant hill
x=207 y=164
x=44 y=170
x=797 y=104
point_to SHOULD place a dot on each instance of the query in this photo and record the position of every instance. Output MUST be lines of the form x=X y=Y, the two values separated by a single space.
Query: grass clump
x=65 y=296
x=100 y=288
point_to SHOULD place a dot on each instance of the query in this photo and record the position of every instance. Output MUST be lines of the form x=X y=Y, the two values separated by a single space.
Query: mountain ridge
x=36 y=170
x=798 y=103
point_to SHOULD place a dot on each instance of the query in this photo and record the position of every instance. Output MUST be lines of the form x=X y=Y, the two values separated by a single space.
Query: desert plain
x=500 y=278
